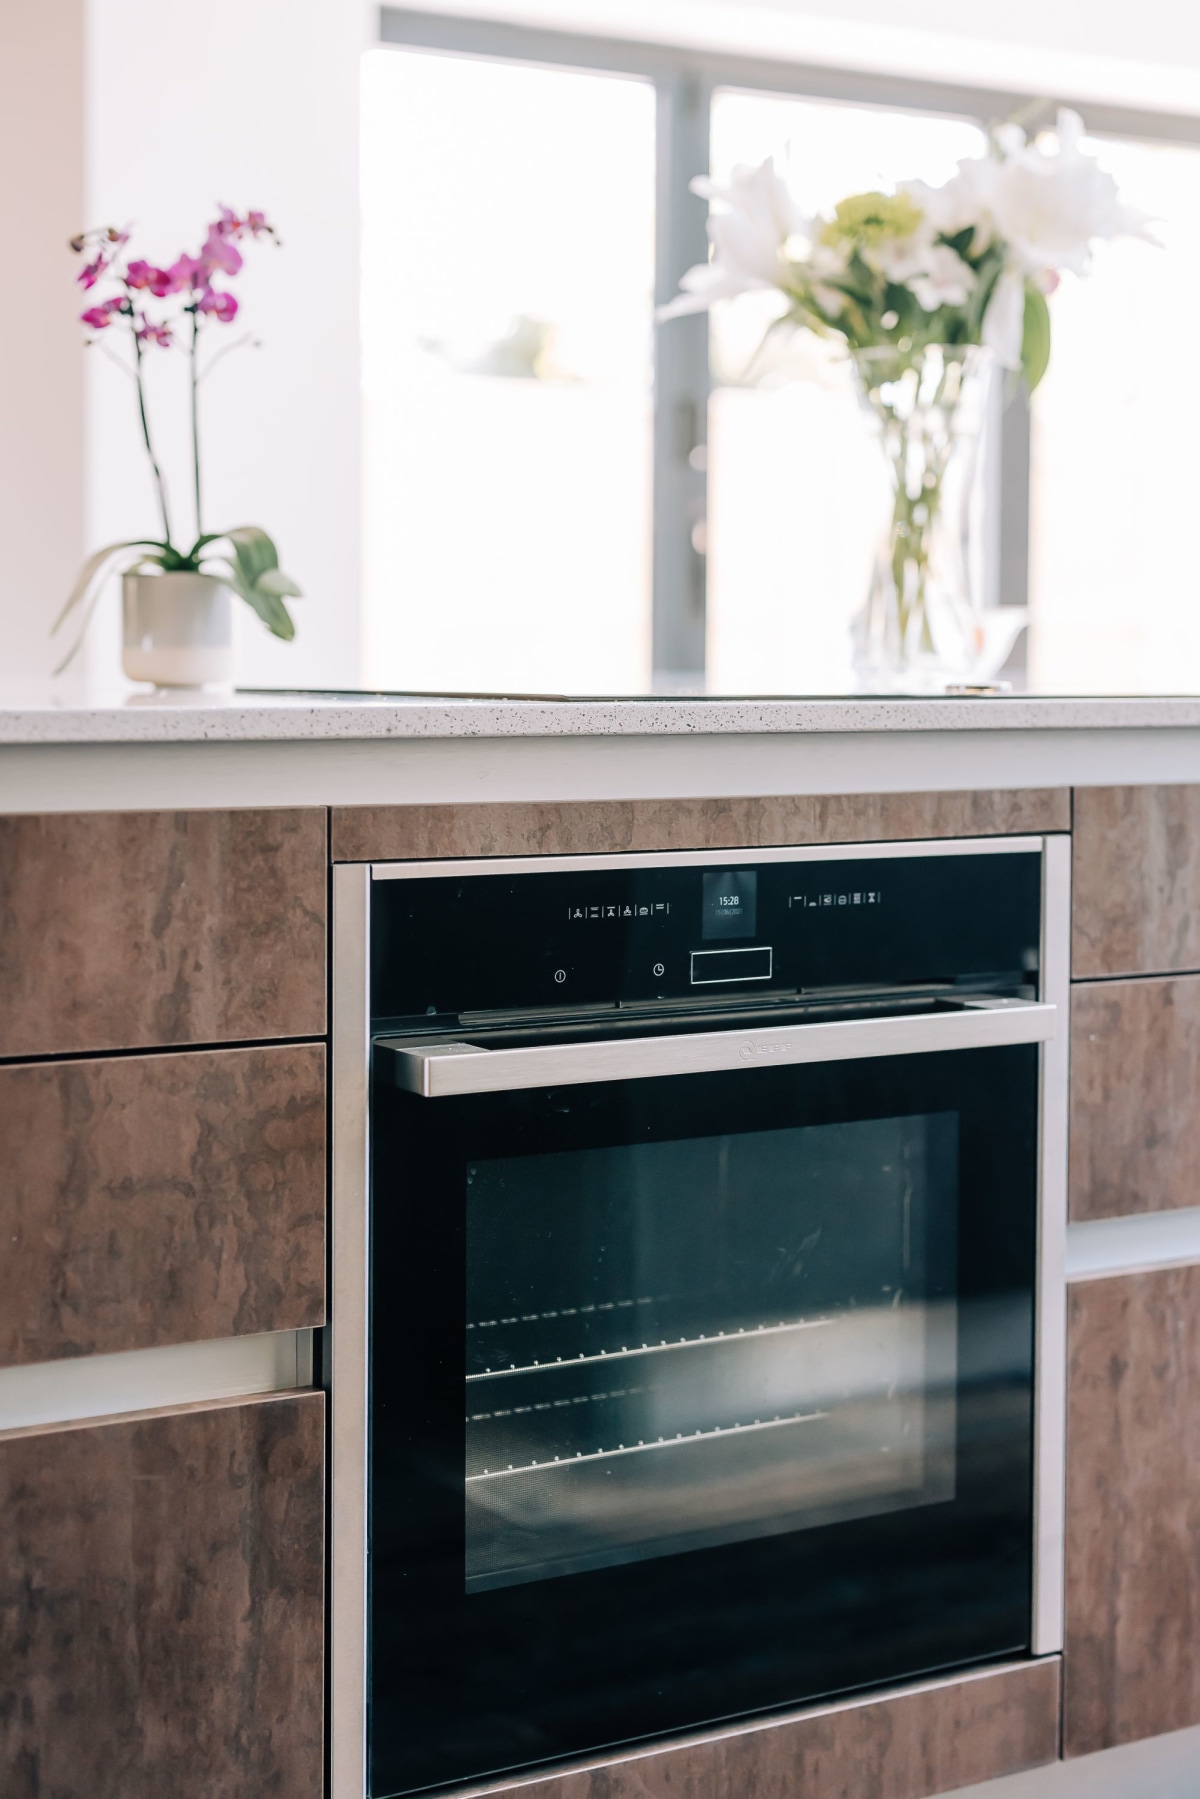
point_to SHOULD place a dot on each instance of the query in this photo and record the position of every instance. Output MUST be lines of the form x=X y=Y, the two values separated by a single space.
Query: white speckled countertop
x=261 y=718
x=265 y=749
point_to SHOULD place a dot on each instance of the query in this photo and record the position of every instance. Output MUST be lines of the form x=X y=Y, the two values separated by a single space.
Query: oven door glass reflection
x=692 y=1397
x=672 y=1346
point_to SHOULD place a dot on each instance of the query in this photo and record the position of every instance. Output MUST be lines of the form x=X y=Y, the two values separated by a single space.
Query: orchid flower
x=220 y=252
x=101 y=316
x=248 y=562
x=221 y=306
x=160 y=282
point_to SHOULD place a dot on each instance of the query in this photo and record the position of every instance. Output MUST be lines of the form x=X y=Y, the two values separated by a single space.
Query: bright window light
x=508 y=272
x=1114 y=587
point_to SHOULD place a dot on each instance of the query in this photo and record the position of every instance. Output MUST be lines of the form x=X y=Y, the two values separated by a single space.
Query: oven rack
x=640 y=1448
x=704 y=1340
x=600 y=1305
x=557 y=1405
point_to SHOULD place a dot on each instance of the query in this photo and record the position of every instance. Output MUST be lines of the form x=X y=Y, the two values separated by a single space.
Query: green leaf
x=255 y=575
x=272 y=611
x=254 y=550
x=985 y=285
x=960 y=241
x=179 y=562
x=273 y=580
x=95 y=566
x=269 y=607
x=1035 y=338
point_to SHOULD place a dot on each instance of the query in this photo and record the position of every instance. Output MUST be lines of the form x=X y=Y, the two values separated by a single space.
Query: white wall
x=254 y=103
x=41 y=382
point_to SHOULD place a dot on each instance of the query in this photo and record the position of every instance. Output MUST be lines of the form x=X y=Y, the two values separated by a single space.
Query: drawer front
x=160 y=1199
x=139 y=930
x=1136 y=881
x=1131 y=1666
x=161 y=1594
x=929 y=1740
x=407 y=833
x=1135 y=1078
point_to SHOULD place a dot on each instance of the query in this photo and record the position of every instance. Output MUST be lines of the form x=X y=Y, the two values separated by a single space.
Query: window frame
x=684 y=80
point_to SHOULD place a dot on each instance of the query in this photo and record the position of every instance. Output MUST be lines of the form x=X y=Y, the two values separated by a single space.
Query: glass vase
x=924 y=627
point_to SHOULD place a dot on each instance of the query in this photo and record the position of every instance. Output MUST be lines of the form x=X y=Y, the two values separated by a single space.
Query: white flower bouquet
x=923 y=288
x=970 y=262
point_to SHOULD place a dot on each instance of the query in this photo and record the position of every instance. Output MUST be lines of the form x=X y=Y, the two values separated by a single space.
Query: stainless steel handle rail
x=436 y=1070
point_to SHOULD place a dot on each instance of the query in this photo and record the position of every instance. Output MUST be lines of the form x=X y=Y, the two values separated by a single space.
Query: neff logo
x=752 y=1052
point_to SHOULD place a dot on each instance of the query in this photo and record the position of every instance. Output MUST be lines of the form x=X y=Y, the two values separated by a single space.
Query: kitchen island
x=165 y=1020
x=281 y=750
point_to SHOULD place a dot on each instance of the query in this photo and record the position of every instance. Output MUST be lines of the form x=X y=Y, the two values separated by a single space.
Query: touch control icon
x=560 y=975
x=660 y=968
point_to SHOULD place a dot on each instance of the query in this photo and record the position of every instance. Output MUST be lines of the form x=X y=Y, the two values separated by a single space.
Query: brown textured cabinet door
x=1132 y=1661
x=907 y=1746
x=1135 y=1096
x=160 y=1199
x=383 y=833
x=161 y=1592
x=132 y=930
x=1136 y=880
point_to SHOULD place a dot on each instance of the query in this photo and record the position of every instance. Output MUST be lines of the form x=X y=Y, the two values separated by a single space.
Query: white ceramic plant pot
x=177 y=630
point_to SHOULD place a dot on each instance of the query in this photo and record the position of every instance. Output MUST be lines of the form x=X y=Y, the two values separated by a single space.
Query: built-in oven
x=711 y=1289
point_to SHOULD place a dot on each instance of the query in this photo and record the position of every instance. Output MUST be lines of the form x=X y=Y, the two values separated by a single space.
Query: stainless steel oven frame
x=345 y=1363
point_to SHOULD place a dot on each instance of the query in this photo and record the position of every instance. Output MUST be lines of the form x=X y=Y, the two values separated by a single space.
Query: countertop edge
x=299 y=720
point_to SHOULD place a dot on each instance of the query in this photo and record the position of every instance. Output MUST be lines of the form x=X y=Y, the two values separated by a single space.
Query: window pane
x=508 y=270
x=796 y=483
x=1116 y=454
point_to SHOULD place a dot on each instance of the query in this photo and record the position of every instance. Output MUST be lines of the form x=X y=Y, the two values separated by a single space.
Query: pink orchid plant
x=155 y=307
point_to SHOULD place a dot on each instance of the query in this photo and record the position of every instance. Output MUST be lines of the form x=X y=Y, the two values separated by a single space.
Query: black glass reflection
x=488 y=943
x=672 y=1346
x=616 y=1608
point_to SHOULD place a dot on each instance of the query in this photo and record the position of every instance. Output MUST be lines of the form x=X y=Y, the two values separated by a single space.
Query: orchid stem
x=196 y=419
x=226 y=350
x=160 y=484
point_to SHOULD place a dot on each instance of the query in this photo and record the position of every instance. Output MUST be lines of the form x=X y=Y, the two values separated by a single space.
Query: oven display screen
x=730 y=903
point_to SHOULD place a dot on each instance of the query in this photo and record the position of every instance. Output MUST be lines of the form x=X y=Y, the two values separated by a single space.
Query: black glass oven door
x=694 y=1396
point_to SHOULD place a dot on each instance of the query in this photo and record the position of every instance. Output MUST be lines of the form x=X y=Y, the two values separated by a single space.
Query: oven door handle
x=441 y=1070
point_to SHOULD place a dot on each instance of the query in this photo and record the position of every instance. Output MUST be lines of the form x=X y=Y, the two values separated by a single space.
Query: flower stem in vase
x=914 y=629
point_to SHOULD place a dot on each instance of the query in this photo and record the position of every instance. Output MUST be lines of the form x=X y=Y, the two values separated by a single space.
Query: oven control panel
x=448 y=944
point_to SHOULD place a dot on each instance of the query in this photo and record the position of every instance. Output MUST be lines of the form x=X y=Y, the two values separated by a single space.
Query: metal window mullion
x=681 y=386
x=1014 y=505
x=414 y=29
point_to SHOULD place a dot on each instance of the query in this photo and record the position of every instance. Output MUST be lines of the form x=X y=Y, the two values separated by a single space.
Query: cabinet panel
x=160 y=1199
x=161 y=1605
x=928 y=1740
x=404 y=833
x=131 y=930
x=1136 y=875
x=1132 y=1662
x=1135 y=1077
